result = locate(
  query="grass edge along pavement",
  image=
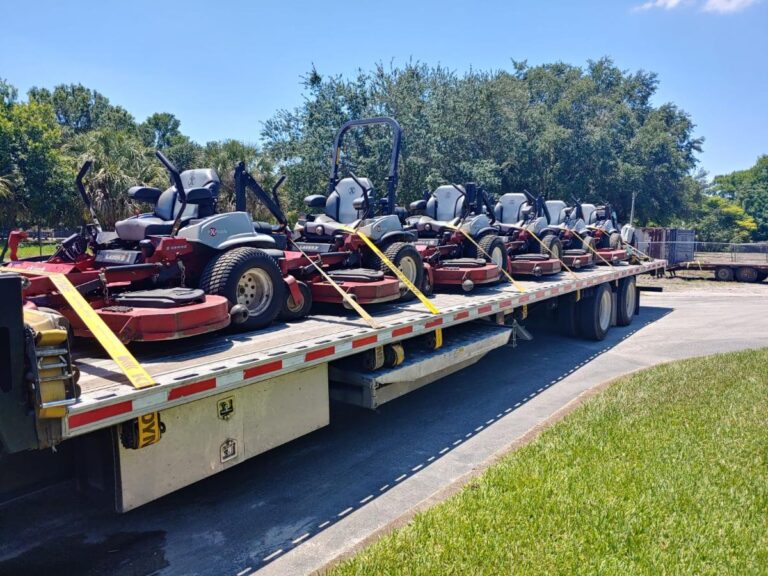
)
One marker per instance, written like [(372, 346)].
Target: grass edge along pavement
[(666, 471)]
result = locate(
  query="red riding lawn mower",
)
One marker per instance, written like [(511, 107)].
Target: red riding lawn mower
[(456, 239), (522, 221), (610, 241), (331, 239), (567, 223), (178, 271)]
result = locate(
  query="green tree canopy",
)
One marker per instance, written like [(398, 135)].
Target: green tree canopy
[(556, 129), (749, 189)]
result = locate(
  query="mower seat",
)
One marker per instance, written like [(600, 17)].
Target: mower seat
[(593, 214), (444, 207), (357, 275), (167, 206), (557, 211), (340, 210), (509, 211)]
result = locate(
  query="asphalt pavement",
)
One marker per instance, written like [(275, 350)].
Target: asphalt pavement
[(298, 507)]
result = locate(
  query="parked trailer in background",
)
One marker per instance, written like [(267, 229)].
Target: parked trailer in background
[(223, 399), (746, 262)]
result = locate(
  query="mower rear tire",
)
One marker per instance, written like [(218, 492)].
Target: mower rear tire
[(249, 277), (290, 310), (407, 258), (552, 247), (614, 241), (494, 247), (593, 314), (724, 274), (626, 301)]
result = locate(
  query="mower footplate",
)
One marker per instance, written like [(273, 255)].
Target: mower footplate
[(141, 324), (577, 259), (534, 265), (612, 256), (372, 292), (460, 271), (161, 298)]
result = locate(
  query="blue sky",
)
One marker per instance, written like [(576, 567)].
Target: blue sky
[(224, 67)]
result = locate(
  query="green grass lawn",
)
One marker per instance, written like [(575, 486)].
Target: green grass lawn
[(665, 472), (27, 250)]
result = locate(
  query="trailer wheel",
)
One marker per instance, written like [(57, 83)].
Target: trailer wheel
[(724, 274), (593, 314), (762, 276), (614, 241), (551, 246), (626, 301), (407, 258), (290, 310), (746, 274), (249, 277)]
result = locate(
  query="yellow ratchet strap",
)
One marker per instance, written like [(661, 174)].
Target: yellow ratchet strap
[(395, 270), (135, 372), (517, 286), (351, 302)]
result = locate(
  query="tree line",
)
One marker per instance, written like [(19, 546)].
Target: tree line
[(591, 133)]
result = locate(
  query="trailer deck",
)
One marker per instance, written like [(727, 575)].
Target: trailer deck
[(192, 369)]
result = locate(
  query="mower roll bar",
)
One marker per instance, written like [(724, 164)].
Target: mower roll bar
[(394, 157), (176, 177), (243, 180)]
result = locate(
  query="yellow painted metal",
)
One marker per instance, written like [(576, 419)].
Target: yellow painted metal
[(149, 429), (135, 372)]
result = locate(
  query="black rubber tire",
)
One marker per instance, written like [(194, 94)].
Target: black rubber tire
[(746, 274), (724, 274), (614, 241), (554, 248), (761, 276), (589, 314), (626, 300), (566, 316), (222, 274), (289, 311), (588, 241), (490, 244), (396, 253)]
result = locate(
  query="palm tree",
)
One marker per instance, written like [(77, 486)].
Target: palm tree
[(121, 160)]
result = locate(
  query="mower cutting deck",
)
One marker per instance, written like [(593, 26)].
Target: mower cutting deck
[(455, 239)]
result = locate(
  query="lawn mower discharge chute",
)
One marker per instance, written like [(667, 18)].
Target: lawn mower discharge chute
[(456, 238), (181, 270), (332, 239)]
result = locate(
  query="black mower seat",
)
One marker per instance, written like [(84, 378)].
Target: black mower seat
[(167, 206), (357, 275), (160, 298)]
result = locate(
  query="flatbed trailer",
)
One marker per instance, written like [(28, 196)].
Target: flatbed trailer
[(225, 398), (727, 269)]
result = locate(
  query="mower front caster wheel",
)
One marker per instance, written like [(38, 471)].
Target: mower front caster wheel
[(293, 311), (248, 277)]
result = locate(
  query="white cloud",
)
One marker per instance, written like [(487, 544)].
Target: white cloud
[(665, 4), (723, 6), (716, 6)]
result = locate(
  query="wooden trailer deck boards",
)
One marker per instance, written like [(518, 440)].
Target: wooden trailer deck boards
[(192, 369)]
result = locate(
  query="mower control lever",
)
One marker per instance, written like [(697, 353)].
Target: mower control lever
[(174, 172), (366, 200), (84, 195)]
